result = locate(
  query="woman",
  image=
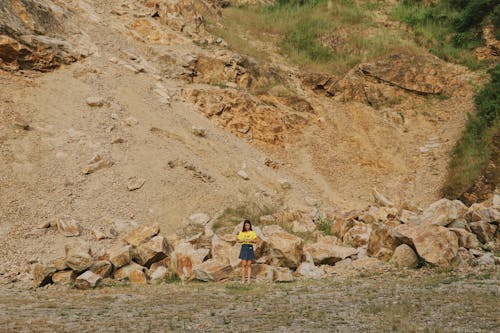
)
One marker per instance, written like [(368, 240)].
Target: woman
[(247, 237)]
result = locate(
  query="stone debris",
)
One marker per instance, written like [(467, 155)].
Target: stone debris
[(199, 131), (243, 174), (87, 280), (135, 183), (68, 227)]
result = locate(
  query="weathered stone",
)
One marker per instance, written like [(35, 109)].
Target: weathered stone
[(159, 273), (138, 276), (87, 280), (124, 272), (326, 252), (68, 227), (198, 131), (465, 239), (243, 174), (283, 245), (404, 256), (42, 274), (484, 231), (135, 183), (303, 225), (487, 259), (478, 212), (142, 234), (95, 101), (99, 235), (184, 258), (212, 270), (43, 225), (64, 277), (282, 274), (435, 244), (408, 217), (120, 255), (97, 163), (381, 199), (309, 270), (358, 235), (464, 258), (131, 121), (59, 264), (154, 250), (262, 272), (103, 268), (443, 212), (78, 256), (381, 243), (459, 224), (221, 249), (199, 219)]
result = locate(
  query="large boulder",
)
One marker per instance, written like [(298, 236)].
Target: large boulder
[(435, 244), (87, 280), (282, 274), (64, 277), (124, 272), (153, 250), (262, 272), (484, 231), (42, 274), (443, 212), (184, 258), (142, 234), (212, 270), (404, 256), (78, 256), (358, 235), (465, 239), (286, 247), (120, 255), (324, 251), (309, 270), (68, 227), (381, 243), (103, 268)]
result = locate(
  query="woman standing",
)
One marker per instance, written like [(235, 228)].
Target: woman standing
[(248, 237)]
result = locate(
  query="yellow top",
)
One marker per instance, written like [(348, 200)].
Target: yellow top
[(247, 236)]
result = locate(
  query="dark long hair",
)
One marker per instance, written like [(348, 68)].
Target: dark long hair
[(245, 222)]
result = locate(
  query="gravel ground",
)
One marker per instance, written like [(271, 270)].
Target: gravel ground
[(406, 301)]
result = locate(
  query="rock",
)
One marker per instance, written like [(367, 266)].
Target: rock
[(221, 249), (212, 270), (404, 256), (124, 272), (68, 227), (95, 101), (154, 250), (435, 244), (43, 225), (459, 224), (117, 140), (464, 258), (381, 243), (99, 235), (78, 256), (97, 163), (159, 273), (303, 226), (285, 184), (408, 217), (42, 274), (443, 212), (142, 234), (484, 231), (135, 183), (308, 270), (325, 252), (262, 272), (184, 258), (358, 235), (131, 121), (59, 264), (21, 123), (199, 131), (138, 277), (478, 212), (103, 268), (282, 274), (87, 280), (199, 219), (496, 198), (487, 259), (120, 255), (243, 174), (381, 200), (64, 277), (283, 245), (465, 239), (267, 219)]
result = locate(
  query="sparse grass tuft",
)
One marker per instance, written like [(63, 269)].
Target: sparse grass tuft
[(232, 216)]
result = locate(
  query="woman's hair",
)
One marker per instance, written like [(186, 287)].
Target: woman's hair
[(245, 222)]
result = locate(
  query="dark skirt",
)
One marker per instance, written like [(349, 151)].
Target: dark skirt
[(246, 252)]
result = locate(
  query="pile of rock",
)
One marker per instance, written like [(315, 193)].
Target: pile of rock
[(446, 234)]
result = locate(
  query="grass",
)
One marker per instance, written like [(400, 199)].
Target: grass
[(318, 35), (232, 216), (447, 28), (478, 145)]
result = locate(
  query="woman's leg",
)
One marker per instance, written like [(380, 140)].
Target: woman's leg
[(243, 270), (249, 270)]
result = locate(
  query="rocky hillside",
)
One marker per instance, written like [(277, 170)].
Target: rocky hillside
[(117, 114)]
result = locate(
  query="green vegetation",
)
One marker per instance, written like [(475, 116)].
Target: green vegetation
[(232, 216), (476, 146), (450, 29), (318, 35)]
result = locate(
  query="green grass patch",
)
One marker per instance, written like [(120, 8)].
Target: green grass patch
[(476, 147)]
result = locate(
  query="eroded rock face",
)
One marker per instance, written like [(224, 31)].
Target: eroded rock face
[(283, 245), (33, 35), (326, 252), (392, 79)]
